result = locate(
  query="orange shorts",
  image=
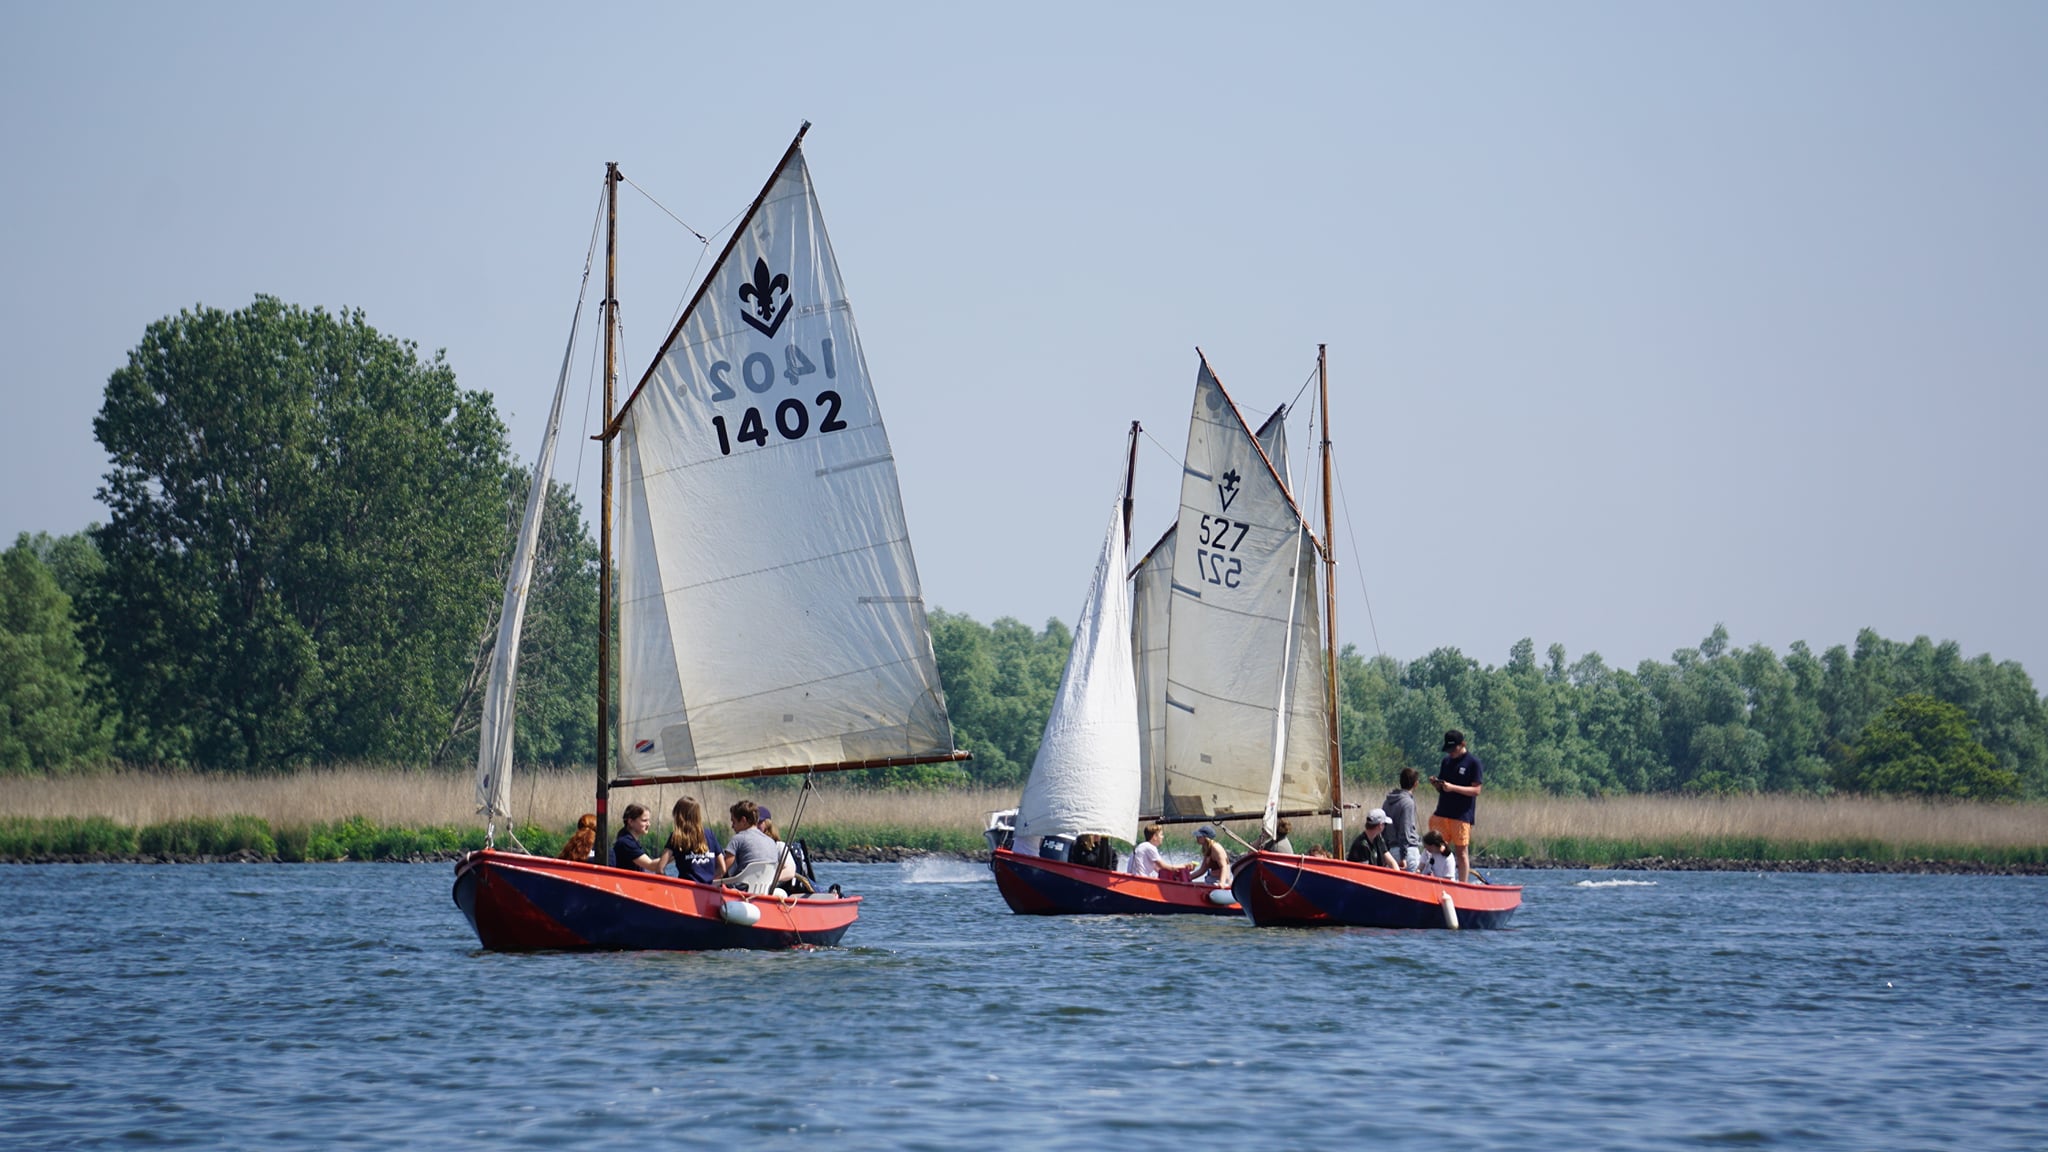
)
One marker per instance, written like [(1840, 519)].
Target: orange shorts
[(1456, 833)]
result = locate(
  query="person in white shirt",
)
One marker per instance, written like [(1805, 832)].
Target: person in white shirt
[(1145, 857), (1436, 858)]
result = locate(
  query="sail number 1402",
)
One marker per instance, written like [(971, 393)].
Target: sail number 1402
[(792, 417)]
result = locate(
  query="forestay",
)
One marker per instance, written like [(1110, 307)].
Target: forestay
[(495, 731), (1244, 710), (1085, 777), (770, 613)]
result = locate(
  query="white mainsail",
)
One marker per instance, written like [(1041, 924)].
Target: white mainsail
[(770, 615), (1085, 777), (1152, 597), (1241, 632), (495, 731)]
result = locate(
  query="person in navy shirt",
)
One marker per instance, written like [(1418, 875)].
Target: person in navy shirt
[(1457, 805), (626, 850)]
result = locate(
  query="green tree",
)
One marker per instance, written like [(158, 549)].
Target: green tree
[(1920, 746), (305, 518), (48, 719)]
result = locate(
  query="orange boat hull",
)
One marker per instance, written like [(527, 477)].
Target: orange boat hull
[(519, 903)]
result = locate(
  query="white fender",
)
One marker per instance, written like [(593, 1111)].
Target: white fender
[(1450, 909), (1221, 896), (739, 912)]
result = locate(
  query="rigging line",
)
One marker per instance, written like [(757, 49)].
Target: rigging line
[(1161, 447), (582, 440), (690, 282), (1304, 387), (701, 238), (1351, 534)]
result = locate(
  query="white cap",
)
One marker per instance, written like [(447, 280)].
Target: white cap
[(1377, 816)]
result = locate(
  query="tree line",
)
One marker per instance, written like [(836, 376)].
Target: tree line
[(309, 525)]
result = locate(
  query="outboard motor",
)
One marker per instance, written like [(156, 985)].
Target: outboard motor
[(1001, 830), (1055, 847)]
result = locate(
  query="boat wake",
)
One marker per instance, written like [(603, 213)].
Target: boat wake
[(1615, 884), (944, 872)]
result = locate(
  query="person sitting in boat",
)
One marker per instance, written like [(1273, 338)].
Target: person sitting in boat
[(789, 873), (1145, 857), (582, 845), (1092, 851), (749, 845), (1436, 856), (1215, 868), (1280, 843), (1370, 846), (626, 850), (690, 845)]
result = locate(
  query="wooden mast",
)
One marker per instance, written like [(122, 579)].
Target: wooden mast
[(1330, 610), (604, 548)]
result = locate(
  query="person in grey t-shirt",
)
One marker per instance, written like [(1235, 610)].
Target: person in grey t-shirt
[(749, 845), (1404, 839)]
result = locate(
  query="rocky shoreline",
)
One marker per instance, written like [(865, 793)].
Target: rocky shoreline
[(884, 855)]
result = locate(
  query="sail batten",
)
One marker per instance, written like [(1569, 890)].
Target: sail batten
[(771, 618)]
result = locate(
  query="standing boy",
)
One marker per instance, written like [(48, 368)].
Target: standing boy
[(1457, 805)]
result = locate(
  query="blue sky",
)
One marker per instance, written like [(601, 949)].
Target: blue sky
[(1641, 317)]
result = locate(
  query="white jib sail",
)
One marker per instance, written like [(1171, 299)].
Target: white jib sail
[(1085, 777), (770, 614), (1236, 617), (1151, 602), (495, 731)]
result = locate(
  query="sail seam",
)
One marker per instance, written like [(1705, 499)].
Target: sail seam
[(879, 545), (699, 707), (851, 465)]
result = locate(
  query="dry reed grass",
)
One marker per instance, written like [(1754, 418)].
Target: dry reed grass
[(393, 797), (400, 798)]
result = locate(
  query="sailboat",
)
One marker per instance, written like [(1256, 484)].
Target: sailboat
[(770, 619), (1084, 779), (1287, 889), (1223, 622)]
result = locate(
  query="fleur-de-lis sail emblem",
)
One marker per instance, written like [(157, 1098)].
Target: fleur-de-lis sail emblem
[(766, 317), (1228, 489)]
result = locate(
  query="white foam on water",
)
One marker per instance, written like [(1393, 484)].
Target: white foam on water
[(930, 871), (1615, 884)]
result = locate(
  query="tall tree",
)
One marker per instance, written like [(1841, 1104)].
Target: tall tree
[(47, 718), (305, 516)]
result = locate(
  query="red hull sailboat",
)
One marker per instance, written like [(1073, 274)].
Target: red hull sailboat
[(769, 618), (1316, 892)]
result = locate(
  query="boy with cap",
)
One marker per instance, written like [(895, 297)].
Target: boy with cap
[(1457, 805), (1215, 864), (1370, 846)]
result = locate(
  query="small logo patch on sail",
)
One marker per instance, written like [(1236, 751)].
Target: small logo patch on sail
[(766, 318), (1228, 489), (643, 747)]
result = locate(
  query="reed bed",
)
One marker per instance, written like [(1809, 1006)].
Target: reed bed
[(394, 797), (840, 812)]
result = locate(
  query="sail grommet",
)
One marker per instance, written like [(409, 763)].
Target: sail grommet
[(739, 912)]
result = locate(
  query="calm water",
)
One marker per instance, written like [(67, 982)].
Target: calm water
[(346, 1005)]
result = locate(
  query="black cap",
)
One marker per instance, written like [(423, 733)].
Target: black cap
[(1452, 739)]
